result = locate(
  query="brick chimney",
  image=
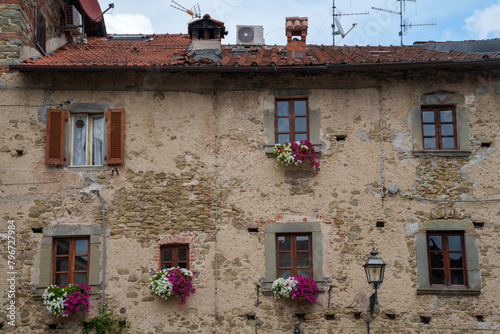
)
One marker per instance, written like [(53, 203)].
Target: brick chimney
[(296, 27)]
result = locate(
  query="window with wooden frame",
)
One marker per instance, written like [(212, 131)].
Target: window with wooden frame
[(293, 255), (86, 137), (174, 256), (70, 261), (291, 120), (446, 254), (439, 128)]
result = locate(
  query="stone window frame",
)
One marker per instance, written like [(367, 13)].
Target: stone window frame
[(271, 229), (314, 120), (424, 287), (454, 100), (51, 233)]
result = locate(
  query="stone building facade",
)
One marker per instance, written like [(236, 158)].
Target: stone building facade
[(197, 171)]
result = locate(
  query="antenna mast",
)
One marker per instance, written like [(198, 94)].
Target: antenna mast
[(195, 11), (403, 25), (334, 15)]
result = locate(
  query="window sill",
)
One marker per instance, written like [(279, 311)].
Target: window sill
[(88, 168), (448, 292), (442, 153), (323, 286)]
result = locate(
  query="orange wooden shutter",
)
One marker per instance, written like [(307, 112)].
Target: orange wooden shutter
[(116, 137), (54, 149)]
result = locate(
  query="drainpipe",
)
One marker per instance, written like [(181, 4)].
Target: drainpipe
[(216, 151), (104, 253), (379, 88)]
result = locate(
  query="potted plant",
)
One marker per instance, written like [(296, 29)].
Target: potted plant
[(173, 281), (295, 153), (66, 300), (296, 287)]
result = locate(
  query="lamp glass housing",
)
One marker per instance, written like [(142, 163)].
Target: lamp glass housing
[(374, 269)]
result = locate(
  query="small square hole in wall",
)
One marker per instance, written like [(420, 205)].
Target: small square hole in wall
[(300, 316), (390, 316), (253, 229), (330, 316), (357, 315), (479, 318), (53, 326), (425, 319), (478, 225), (20, 152), (380, 223), (250, 316), (340, 137), (37, 229), (485, 145)]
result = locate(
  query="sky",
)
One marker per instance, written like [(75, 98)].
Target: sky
[(454, 20)]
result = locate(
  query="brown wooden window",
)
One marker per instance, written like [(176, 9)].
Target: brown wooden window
[(439, 128), (87, 136), (446, 259), (292, 120), (174, 256), (293, 255), (71, 261)]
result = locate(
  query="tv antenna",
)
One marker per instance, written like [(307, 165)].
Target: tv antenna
[(195, 11), (404, 24), (336, 23)]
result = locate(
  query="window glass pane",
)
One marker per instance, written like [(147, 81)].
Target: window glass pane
[(300, 107), (167, 255), (300, 136), (62, 264), (167, 265), (446, 116), (303, 272), (284, 260), (97, 140), (61, 279), (302, 242), (283, 243), (454, 243), (81, 247), (429, 142), (283, 124), (284, 273), (80, 263), (448, 142), (283, 138), (428, 116), (437, 276), (80, 278), (182, 255), (437, 260), (435, 242), (282, 108), (79, 139), (447, 129), (300, 124), (456, 260), (182, 265), (62, 247), (429, 130), (302, 259), (457, 277)]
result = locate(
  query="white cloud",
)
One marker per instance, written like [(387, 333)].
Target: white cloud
[(128, 24), (485, 22)]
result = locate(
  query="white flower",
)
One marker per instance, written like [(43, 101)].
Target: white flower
[(282, 287)]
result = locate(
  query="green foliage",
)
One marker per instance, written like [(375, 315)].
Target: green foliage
[(107, 324)]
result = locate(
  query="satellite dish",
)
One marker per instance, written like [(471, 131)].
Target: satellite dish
[(339, 26)]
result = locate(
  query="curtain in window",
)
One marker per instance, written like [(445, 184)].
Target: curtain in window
[(97, 140), (79, 139)]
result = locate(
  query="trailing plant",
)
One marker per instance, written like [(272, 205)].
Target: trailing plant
[(173, 281), (107, 324), (66, 300), (297, 287), (295, 153)]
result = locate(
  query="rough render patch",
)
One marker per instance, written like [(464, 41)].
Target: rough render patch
[(374, 189), (476, 159), (92, 187), (411, 228), (363, 135), (470, 99), (401, 142), (290, 218)]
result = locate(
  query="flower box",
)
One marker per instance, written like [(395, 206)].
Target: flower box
[(295, 153), (66, 300), (173, 281), (296, 287)]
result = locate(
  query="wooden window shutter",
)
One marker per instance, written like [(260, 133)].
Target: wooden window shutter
[(54, 150), (116, 137)]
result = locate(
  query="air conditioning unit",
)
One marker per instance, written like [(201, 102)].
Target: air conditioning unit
[(249, 35), (73, 21)]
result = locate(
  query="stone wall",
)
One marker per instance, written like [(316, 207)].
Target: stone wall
[(195, 172)]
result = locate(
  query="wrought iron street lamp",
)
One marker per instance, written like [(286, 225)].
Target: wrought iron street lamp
[(374, 269)]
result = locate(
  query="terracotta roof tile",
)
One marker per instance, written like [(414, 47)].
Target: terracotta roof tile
[(172, 50)]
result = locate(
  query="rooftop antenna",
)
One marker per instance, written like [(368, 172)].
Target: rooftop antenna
[(336, 23), (404, 25), (195, 11)]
